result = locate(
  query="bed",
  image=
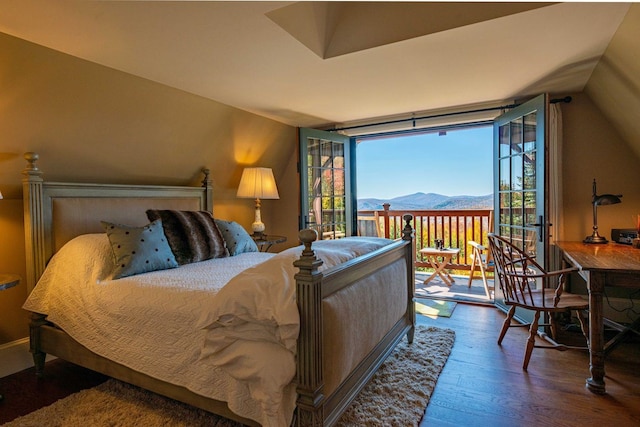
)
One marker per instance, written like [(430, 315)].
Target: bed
[(349, 311)]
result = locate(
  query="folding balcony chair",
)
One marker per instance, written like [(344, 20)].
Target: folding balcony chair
[(482, 262), (524, 283), (369, 225)]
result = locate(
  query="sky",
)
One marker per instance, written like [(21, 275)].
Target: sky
[(458, 163)]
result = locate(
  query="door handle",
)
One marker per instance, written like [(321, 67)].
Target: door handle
[(540, 224)]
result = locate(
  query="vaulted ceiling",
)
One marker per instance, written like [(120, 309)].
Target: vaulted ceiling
[(314, 63)]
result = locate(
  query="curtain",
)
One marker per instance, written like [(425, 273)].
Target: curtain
[(555, 184)]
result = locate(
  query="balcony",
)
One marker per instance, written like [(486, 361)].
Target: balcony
[(456, 228)]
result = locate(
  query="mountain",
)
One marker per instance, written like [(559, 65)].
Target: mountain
[(428, 201)]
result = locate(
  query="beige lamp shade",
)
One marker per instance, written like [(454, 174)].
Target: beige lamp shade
[(0, 194), (258, 183)]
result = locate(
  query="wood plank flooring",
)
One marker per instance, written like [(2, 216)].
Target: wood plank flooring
[(24, 392), (482, 383)]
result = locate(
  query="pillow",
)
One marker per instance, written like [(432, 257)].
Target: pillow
[(138, 249), (193, 235), (236, 237)]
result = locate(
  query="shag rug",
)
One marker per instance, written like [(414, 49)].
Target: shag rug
[(397, 395)]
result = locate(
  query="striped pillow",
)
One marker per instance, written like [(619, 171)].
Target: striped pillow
[(193, 235)]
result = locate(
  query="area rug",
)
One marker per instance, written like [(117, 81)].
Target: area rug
[(396, 396), (434, 307)]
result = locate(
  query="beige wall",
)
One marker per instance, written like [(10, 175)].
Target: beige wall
[(94, 124), (594, 149), (606, 134), (615, 82)]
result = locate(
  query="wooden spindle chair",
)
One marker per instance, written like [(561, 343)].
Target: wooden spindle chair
[(524, 283)]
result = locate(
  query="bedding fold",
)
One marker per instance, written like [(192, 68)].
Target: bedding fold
[(259, 305)]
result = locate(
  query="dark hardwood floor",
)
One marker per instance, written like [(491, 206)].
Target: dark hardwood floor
[(24, 392), (482, 383)]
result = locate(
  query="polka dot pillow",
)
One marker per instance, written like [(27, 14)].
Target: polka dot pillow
[(138, 250), (237, 239)]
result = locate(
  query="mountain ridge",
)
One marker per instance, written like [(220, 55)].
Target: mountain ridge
[(428, 201)]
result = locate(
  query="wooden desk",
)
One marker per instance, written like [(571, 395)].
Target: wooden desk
[(601, 265), (445, 255)]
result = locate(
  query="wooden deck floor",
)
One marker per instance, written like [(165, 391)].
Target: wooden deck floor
[(483, 384), (458, 291)]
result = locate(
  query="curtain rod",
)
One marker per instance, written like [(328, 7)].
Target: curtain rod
[(413, 119), (566, 99)]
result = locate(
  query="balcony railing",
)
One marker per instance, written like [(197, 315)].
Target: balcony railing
[(455, 227)]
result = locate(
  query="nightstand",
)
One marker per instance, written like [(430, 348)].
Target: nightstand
[(8, 281), (265, 241)]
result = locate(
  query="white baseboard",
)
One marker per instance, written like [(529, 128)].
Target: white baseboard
[(15, 357)]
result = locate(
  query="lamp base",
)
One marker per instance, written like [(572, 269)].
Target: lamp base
[(595, 239), (258, 225)]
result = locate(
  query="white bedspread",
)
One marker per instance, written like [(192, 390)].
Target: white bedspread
[(234, 343)]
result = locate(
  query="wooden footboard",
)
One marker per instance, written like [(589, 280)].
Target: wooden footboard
[(315, 408)]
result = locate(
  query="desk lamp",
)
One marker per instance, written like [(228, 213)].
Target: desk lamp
[(601, 200), (258, 183)]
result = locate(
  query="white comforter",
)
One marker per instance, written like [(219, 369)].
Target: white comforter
[(234, 343)]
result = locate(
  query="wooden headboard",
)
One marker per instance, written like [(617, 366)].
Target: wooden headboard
[(56, 212)]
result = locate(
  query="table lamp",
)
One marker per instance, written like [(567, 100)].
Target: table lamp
[(601, 200), (258, 183)]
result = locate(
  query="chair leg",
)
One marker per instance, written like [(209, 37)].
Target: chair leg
[(533, 331), (506, 324), (473, 267), (553, 325), (487, 291), (584, 324)]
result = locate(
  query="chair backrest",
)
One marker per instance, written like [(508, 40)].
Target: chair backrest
[(517, 273), (476, 246), (369, 225), (478, 251)]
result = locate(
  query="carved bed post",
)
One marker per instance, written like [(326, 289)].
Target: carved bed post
[(309, 359), (33, 220), (34, 247), (407, 235), (206, 184)]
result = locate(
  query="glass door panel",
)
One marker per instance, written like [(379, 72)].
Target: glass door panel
[(325, 183), (519, 141)]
